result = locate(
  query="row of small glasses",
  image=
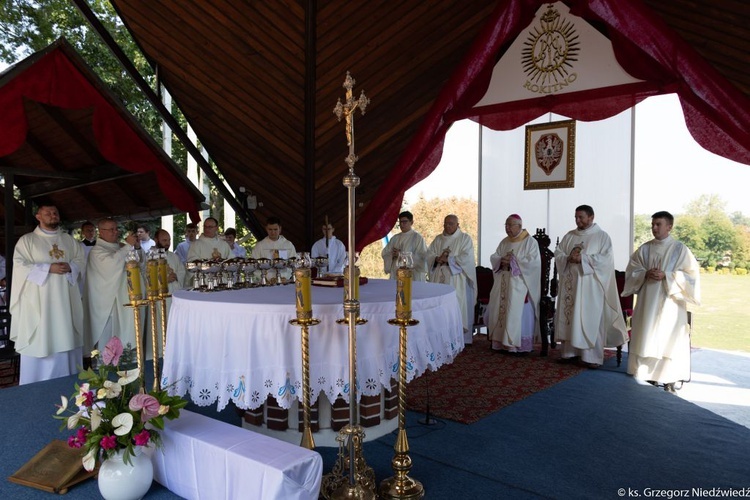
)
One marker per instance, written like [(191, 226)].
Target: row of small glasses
[(213, 275)]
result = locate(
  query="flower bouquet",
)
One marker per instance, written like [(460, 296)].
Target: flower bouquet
[(112, 413)]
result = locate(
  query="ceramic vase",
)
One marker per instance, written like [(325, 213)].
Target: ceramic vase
[(121, 481)]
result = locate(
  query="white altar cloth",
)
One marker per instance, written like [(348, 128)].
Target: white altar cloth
[(207, 458), (238, 345)]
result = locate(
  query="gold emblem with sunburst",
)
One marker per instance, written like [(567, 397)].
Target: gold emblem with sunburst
[(549, 53)]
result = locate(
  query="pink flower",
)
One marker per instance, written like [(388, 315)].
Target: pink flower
[(141, 439), (112, 352), (79, 439), (147, 404), (108, 442), (88, 398)]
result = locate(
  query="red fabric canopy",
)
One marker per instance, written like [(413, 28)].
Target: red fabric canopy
[(56, 81), (716, 113)]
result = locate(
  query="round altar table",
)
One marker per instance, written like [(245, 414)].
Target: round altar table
[(238, 345)]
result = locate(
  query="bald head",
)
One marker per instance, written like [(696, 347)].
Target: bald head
[(450, 224)]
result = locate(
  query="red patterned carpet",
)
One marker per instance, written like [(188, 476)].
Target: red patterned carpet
[(481, 381)]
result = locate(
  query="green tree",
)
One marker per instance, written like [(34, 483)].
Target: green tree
[(710, 233), (688, 229), (739, 219), (721, 238), (705, 205), (641, 229), (741, 255)]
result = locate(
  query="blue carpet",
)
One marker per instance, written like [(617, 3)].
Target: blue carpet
[(585, 437)]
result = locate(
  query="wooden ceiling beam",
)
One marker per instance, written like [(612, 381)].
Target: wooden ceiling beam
[(69, 129), (97, 175), (44, 153)]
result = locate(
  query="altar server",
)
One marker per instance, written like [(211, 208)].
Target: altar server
[(331, 247), (666, 277), (408, 240), (274, 246)]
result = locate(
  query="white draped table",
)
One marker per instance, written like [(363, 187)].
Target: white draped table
[(206, 458), (238, 345)]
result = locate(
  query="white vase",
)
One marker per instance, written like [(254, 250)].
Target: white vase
[(121, 481)]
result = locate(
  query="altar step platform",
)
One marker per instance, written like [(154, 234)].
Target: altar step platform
[(378, 416)]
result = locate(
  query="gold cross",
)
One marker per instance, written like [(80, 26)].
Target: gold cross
[(56, 253), (346, 110)]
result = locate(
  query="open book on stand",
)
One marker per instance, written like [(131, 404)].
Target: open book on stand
[(337, 281)]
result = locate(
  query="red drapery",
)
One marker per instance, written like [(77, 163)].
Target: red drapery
[(54, 80), (716, 113)]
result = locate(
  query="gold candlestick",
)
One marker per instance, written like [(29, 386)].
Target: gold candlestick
[(400, 485), (140, 355), (303, 293), (154, 341), (307, 438), (164, 324), (135, 295)]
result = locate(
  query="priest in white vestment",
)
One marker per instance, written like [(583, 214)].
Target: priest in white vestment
[(332, 248), (513, 310), (274, 246), (106, 294), (209, 246), (191, 233), (665, 276), (88, 240), (408, 240), (176, 280), (238, 251), (588, 316), (45, 301), (451, 260)]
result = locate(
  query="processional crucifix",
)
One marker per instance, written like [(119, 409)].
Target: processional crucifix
[(347, 111), (361, 478)]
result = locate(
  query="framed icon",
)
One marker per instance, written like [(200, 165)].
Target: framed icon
[(550, 155)]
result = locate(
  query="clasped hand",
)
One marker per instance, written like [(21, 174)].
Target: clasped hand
[(505, 261), (655, 274), (59, 268), (575, 257)]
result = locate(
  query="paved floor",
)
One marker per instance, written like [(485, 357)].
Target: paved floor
[(720, 383)]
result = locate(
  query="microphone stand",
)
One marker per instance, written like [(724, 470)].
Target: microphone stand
[(427, 420)]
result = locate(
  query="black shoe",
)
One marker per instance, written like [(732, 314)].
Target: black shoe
[(567, 361)]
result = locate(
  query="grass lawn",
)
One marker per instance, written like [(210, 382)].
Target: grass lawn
[(723, 319)]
